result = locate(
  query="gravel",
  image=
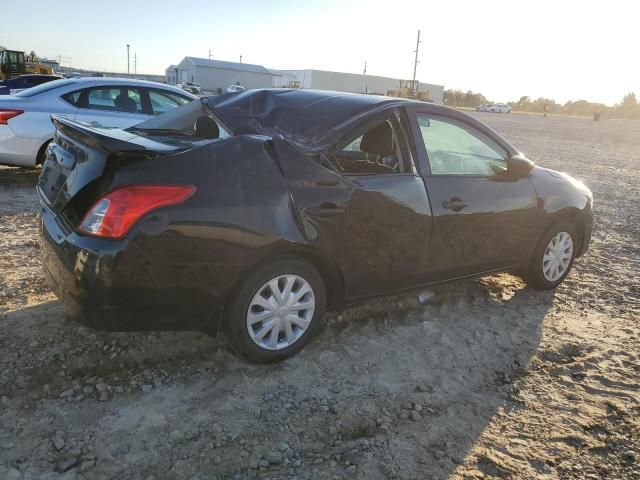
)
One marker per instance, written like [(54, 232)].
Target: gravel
[(484, 379)]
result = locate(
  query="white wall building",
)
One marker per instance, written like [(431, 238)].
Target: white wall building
[(215, 76), (348, 82)]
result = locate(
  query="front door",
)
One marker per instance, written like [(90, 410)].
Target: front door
[(483, 216)]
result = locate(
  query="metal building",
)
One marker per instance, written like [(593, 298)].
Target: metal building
[(348, 82), (216, 75)]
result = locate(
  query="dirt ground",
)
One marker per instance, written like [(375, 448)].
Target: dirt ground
[(488, 380)]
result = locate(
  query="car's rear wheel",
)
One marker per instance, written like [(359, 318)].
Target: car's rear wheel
[(553, 257), (276, 310)]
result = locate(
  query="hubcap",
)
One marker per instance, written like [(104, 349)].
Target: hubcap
[(280, 312), (557, 256)]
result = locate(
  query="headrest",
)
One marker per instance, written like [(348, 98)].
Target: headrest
[(125, 103), (379, 140), (206, 127)]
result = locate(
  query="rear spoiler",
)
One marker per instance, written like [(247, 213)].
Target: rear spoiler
[(108, 139)]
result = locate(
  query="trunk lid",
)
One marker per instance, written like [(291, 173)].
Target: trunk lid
[(78, 155)]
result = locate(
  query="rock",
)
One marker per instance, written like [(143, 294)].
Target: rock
[(629, 455), (175, 435), (67, 393), (297, 463), (262, 463), (282, 446), (421, 387), (146, 388), (86, 465), (58, 440), (438, 454), (289, 454), (104, 396), (426, 297), (67, 464), (102, 387), (217, 460), (417, 407), (415, 416), (118, 389), (403, 415), (274, 458)]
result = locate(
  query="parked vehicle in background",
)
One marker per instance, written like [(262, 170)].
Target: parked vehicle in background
[(15, 85), (254, 211), (25, 117), (236, 87), (191, 87), (14, 63), (483, 107), (500, 108)]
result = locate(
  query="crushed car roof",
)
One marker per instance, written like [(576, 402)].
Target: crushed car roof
[(311, 119)]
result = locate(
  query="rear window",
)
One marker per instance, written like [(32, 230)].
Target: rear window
[(45, 87)]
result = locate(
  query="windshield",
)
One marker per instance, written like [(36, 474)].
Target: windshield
[(45, 87)]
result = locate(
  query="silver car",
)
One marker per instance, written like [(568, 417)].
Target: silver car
[(25, 117)]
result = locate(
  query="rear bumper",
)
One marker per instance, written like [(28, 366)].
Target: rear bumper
[(111, 285), (16, 150)]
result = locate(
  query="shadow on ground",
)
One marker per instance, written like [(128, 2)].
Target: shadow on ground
[(391, 389)]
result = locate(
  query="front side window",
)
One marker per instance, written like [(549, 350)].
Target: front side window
[(117, 99), (454, 148), (162, 101)]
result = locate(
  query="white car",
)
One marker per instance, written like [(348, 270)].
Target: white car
[(500, 108), (192, 87), (483, 107), (235, 88), (25, 117)]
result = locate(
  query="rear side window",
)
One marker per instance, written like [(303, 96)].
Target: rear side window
[(72, 97), (116, 99), (163, 101)]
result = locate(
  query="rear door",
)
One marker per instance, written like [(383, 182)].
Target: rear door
[(388, 218), (482, 215), (113, 106)]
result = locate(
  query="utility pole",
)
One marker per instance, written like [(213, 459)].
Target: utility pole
[(127, 58), (240, 58), (364, 78), (414, 87), (135, 63), (209, 54)]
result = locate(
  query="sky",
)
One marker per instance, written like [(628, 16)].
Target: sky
[(560, 49)]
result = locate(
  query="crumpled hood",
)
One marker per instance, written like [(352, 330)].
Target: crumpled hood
[(312, 120)]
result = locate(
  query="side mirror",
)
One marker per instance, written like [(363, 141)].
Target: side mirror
[(520, 166)]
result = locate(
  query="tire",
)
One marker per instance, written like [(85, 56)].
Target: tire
[(258, 283), (536, 277), (41, 153)]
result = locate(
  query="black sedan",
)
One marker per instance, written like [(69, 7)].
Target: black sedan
[(251, 213)]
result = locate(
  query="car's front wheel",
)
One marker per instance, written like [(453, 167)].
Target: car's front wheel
[(276, 310), (553, 257)]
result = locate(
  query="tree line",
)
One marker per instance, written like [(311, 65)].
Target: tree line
[(628, 107)]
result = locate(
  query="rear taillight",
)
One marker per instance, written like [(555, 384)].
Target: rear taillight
[(6, 115), (114, 214)]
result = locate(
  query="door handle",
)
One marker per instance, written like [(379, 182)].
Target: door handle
[(456, 204), (325, 210)]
